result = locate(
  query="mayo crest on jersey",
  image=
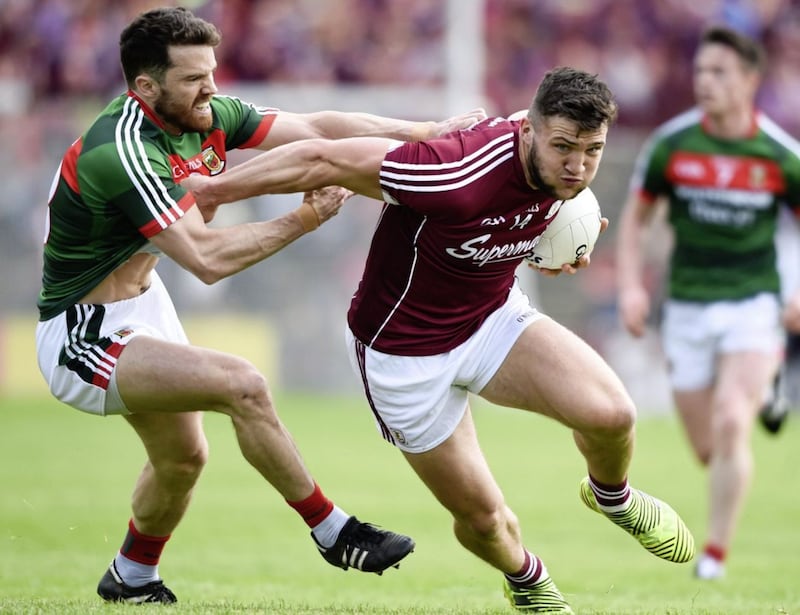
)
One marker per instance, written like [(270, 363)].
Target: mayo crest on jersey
[(459, 217), (724, 197), (117, 186)]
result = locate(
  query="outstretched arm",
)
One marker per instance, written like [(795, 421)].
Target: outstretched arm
[(298, 167), (213, 253), (289, 127)]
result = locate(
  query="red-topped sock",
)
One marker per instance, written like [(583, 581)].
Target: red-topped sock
[(715, 551), (320, 514), (137, 560), (532, 571), (314, 508), (142, 548)]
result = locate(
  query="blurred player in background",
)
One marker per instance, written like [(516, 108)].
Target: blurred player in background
[(725, 171), (438, 314), (109, 341)]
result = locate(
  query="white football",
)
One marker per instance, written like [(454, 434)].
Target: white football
[(572, 233)]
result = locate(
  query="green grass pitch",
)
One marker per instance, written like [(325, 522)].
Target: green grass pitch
[(66, 481)]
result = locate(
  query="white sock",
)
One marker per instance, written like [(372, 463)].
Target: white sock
[(133, 573), (327, 531)]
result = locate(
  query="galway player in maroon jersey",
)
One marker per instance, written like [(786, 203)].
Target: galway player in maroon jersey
[(438, 314)]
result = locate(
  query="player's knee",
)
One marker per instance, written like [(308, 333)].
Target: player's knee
[(703, 456), (614, 415), (624, 416), (729, 428), (249, 393)]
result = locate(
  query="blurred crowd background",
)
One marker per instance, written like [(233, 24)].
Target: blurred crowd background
[(409, 58), (67, 49)]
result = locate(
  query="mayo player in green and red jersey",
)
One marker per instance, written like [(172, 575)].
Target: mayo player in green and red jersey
[(108, 339), (725, 170)]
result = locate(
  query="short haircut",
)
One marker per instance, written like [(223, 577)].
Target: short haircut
[(144, 43), (749, 50), (575, 95)]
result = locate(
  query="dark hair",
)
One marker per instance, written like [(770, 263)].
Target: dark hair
[(144, 43), (749, 50), (575, 95)]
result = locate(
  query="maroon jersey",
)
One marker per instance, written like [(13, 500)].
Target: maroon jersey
[(459, 217)]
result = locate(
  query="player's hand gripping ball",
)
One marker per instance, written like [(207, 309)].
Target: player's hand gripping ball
[(572, 233)]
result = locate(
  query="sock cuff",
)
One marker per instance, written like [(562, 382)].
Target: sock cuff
[(610, 498), (315, 508), (715, 551), (142, 548), (139, 536), (532, 571)]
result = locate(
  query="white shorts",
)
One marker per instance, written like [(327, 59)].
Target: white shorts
[(695, 334), (78, 349), (419, 401)]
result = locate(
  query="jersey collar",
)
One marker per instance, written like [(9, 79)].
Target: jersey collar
[(753, 130), (147, 110)]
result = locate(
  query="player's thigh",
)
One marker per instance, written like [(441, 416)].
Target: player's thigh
[(456, 472), (742, 379), (552, 371), (154, 375), (694, 410)]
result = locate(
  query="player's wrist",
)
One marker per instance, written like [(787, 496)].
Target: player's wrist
[(309, 219), (422, 130)]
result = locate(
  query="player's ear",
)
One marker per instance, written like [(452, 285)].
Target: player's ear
[(147, 86), (526, 130)]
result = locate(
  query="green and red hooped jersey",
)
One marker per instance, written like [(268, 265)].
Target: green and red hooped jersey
[(118, 185), (724, 198)]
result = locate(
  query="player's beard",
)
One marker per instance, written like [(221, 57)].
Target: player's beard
[(179, 115), (535, 174)]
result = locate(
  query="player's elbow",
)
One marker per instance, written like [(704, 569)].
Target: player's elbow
[(212, 272), (209, 276), (318, 161), (208, 270)]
